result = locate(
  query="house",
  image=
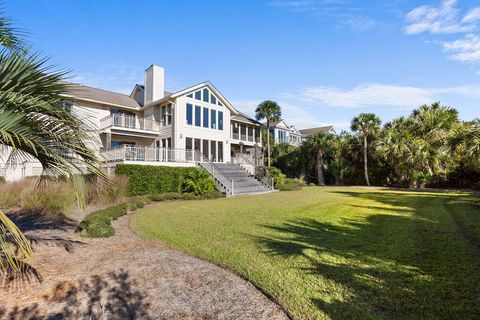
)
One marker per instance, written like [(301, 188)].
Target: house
[(281, 132), (308, 132), (195, 125)]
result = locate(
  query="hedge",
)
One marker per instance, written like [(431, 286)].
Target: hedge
[(98, 224), (143, 180)]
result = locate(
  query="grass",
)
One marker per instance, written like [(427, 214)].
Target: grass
[(338, 253)]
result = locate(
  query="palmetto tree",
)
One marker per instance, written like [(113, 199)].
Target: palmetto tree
[(271, 111), (322, 145), (36, 124), (367, 124)]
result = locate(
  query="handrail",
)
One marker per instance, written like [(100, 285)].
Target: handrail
[(225, 180), (260, 172), (131, 122)]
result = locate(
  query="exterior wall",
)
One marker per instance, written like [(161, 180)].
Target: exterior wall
[(183, 131)]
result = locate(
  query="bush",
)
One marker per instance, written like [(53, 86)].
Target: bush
[(290, 185), (56, 199), (198, 182), (311, 184), (145, 180), (215, 194), (278, 176), (98, 224), (189, 196), (101, 192)]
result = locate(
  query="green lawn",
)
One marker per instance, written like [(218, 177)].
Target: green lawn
[(338, 253)]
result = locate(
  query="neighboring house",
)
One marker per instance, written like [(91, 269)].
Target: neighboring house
[(281, 132), (308, 132), (156, 127)]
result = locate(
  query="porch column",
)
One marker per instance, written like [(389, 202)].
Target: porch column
[(109, 140)]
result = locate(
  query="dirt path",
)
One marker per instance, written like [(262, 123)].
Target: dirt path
[(125, 277)]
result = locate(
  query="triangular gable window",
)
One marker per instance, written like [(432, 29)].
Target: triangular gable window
[(205, 95), (190, 95)]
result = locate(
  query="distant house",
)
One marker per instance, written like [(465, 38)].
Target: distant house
[(281, 132), (308, 132)]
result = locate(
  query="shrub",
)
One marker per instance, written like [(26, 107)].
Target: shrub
[(198, 182), (278, 176), (145, 180), (98, 224), (213, 195), (54, 198), (189, 196), (111, 192), (290, 185), (311, 184)]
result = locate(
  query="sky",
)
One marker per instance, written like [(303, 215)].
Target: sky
[(323, 61)]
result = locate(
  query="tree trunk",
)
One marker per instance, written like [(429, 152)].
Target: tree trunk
[(365, 160), (268, 142), (320, 177)]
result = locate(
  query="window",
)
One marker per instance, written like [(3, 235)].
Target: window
[(213, 99), (205, 148), (189, 114), (198, 115), (220, 104), (188, 143), (257, 135), (220, 151), (190, 95), (198, 95), (205, 95), (205, 117), (197, 144), (220, 120), (213, 120), (213, 151)]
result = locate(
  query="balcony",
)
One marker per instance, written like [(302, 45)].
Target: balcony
[(130, 123), (148, 154)]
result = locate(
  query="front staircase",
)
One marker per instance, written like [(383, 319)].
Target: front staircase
[(243, 181), (234, 180)]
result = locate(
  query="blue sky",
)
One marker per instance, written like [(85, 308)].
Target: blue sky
[(324, 61)]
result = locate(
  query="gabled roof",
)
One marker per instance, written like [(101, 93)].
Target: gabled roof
[(86, 93), (244, 118), (310, 131)]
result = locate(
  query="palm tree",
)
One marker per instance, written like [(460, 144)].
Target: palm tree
[(367, 124), (322, 145), (35, 123), (271, 111)]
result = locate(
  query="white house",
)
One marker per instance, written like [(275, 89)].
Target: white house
[(156, 127), (281, 132)]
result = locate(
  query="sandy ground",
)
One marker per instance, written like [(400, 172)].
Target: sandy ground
[(124, 277)]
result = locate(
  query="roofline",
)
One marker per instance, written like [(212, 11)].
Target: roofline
[(247, 122), (193, 88), (100, 102)]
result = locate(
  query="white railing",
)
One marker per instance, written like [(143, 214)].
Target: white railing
[(141, 153), (220, 178), (130, 122)]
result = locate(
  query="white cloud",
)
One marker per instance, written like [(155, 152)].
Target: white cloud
[(342, 11), (382, 95), (445, 18), (466, 49)]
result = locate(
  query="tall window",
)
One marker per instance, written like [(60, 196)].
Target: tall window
[(220, 120), (220, 151), (198, 115), (205, 95), (213, 151), (189, 114), (205, 117), (198, 95), (213, 99), (213, 120)]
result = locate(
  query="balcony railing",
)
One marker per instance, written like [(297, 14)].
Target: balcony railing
[(141, 153), (130, 122)]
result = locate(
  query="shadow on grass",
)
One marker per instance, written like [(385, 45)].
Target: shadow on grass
[(406, 261), (112, 296)]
